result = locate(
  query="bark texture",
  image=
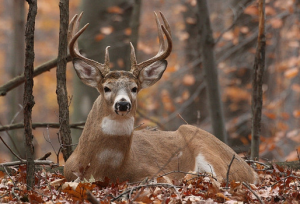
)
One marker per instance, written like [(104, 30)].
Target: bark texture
[(28, 100), (257, 93), (61, 88), (16, 68), (211, 72)]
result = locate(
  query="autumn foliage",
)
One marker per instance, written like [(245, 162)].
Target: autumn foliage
[(277, 185)]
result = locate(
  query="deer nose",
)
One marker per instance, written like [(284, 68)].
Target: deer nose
[(123, 106)]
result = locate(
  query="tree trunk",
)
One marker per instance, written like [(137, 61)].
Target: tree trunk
[(28, 101), (211, 72), (258, 69), (14, 99), (61, 89)]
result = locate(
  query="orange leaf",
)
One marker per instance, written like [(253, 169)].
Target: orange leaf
[(270, 115), (270, 11), (251, 10), (276, 22), (296, 113), (285, 115), (291, 73), (127, 31), (188, 80), (296, 87), (115, 9), (99, 37)]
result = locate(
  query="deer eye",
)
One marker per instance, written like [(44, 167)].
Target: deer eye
[(134, 90), (106, 89)]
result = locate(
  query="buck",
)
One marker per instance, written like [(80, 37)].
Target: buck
[(110, 147)]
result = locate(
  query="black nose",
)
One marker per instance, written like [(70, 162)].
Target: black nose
[(122, 106)]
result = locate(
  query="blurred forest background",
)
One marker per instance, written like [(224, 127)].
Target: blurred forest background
[(181, 89)]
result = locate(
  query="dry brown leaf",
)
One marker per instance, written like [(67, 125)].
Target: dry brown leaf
[(57, 183)]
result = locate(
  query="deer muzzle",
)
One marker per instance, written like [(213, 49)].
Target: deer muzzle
[(122, 107)]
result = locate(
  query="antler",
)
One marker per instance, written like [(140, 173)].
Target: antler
[(73, 35), (163, 52)]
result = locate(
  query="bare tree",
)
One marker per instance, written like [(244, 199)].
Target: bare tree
[(61, 88), (28, 100), (258, 70), (16, 61), (211, 73)]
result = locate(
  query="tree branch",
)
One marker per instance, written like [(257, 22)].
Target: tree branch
[(39, 125), (15, 82)]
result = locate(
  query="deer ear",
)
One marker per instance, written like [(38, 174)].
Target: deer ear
[(152, 73), (88, 74)]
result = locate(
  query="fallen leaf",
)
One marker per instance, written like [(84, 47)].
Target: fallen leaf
[(115, 9)]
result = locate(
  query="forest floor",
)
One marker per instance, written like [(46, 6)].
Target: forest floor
[(278, 185)]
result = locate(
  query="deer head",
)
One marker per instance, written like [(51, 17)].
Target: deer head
[(120, 88)]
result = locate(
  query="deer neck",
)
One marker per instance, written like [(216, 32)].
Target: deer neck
[(109, 137)]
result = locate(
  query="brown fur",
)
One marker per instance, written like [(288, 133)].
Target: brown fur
[(152, 153)]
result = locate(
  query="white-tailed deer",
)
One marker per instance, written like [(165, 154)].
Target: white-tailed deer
[(110, 146)]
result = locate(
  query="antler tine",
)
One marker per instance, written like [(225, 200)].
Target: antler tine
[(160, 34), (163, 52), (73, 35), (166, 23)]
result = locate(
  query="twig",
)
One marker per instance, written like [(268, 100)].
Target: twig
[(142, 186), (91, 198), (139, 125), (15, 82), (228, 170), (11, 140), (16, 115), (39, 125), (36, 162), (182, 118), (9, 175), (247, 186), (152, 120), (45, 156), (11, 150), (13, 192), (183, 172), (257, 162)]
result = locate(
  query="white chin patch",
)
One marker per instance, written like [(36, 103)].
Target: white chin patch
[(117, 127)]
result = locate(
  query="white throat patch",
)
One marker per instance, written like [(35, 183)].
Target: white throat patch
[(117, 127)]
